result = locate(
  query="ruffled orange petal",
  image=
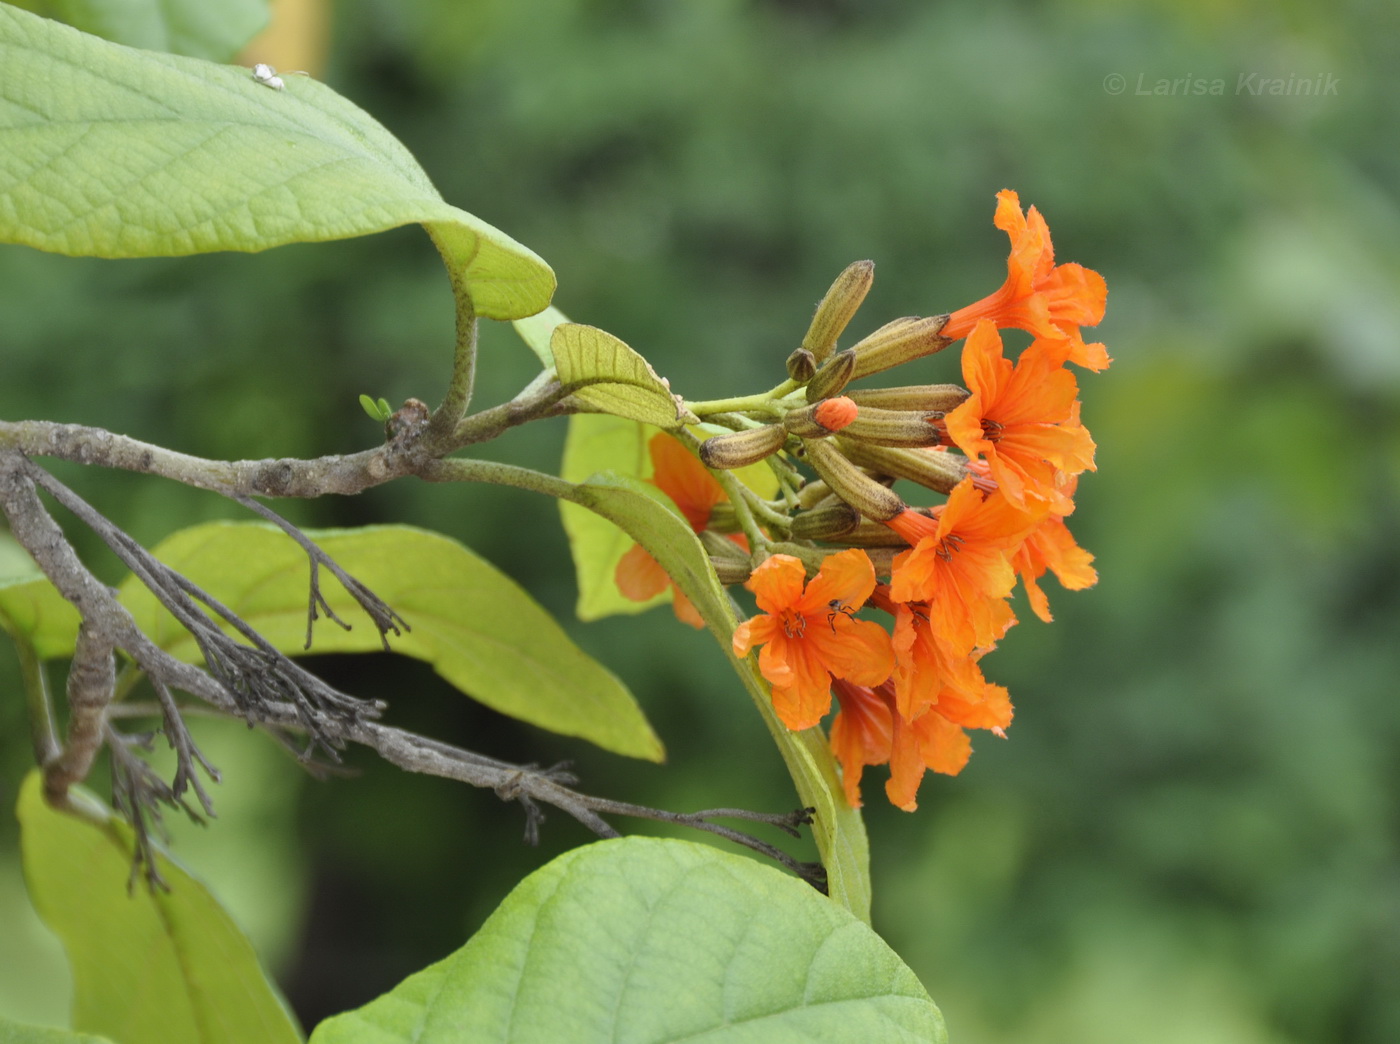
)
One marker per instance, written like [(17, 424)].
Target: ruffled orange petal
[(755, 631), (639, 576), (802, 699), (844, 582), (678, 474), (906, 766), (990, 710), (943, 746), (685, 611), (857, 650), (777, 583), (860, 735)]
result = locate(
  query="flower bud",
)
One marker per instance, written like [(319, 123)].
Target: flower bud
[(934, 398), (731, 570), (825, 523), (833, 377), (837, 307), (729, 560), (934, 469), (801, 365), (899, 342), (894, 427), (820, 419), (739, 449), (851, 484), (815, 494), (872, 534)]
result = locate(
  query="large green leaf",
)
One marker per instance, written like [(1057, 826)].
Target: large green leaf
[(148, 967), (31, 609), (476, 626), (611, 378), (214, 29), (838, 828), (114, 152), (598, 443), (643, 940), (14, 1033)]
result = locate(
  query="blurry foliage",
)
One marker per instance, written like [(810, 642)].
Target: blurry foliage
[(1192, 832)]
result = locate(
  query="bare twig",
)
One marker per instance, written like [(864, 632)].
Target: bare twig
[(92, 679), (384, 617)]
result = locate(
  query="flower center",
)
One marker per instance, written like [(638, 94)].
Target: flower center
[(794, 623), (950, 543)]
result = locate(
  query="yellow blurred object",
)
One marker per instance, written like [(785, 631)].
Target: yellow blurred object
[(297, 37)]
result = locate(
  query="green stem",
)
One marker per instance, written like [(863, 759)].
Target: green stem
[(838, 828), (36, 694), (764, 402), (764, 510), (459, 390), (465, 469)]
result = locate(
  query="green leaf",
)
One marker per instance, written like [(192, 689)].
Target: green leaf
[(34, 611), (114, 152), (611, 378), (644, 940), (536, 331), (372, 408), (838, 828), (476, 626), (214, 29), (148, 968), (602, 443), (14, 1033)]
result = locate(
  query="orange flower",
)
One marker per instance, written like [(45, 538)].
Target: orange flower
[(1021, 418), (695, 491), (861, 733), (808, 635), (927, 670), (1051, 546), (868, 730), (929, 742), (960, 565), (1049, 300)]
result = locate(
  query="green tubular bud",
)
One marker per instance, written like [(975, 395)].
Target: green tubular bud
[(934, 398), (729, 560), (801, 365), (894, 427), (851, 484), (871, 534), (882, 558), (825, 523), (837, 307), (812, 558), (731, 571), (814, 494), (739, 449), (723, 518), (833, 377), (804, 424), (899, 342), (931, 469)]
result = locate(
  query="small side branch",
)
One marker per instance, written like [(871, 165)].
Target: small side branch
[(383, 615), (92, 679)]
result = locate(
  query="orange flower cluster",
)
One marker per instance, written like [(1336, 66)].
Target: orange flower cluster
[(1006, 450)]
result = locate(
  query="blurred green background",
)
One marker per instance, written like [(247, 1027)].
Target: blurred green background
[(1192, 832)]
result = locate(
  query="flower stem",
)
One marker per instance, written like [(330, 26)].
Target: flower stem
[(763, 402), (40, 704)]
